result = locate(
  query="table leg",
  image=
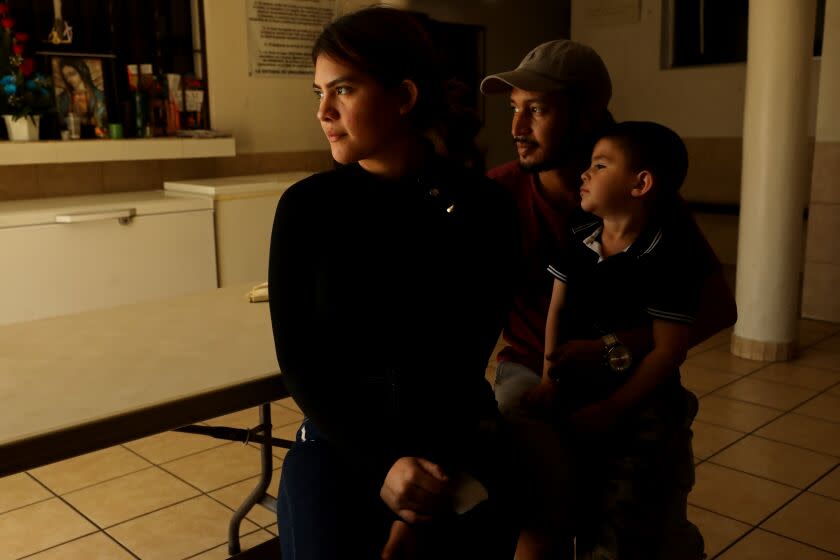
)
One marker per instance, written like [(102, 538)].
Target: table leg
[(265, 479)]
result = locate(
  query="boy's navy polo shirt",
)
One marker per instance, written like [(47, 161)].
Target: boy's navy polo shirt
[(658, 277)]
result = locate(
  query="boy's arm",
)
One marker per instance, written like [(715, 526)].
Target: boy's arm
[(716, 311), (670, 345), (553, 326)]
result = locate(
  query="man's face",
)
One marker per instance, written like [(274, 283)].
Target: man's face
[(541, 128)]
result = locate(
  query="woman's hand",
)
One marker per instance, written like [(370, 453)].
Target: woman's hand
[(402, 542), (416, 489)]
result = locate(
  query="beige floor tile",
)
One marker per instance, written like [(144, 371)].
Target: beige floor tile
[(289, 431), (89, 469), (278, 452), (233, 496), (738, 495), (250, 418), (709, 439), (218, 467), (167, 446), (761, 545), (248, 541), (766, 393), (737, 415), (288, 402), (811, 519), (20, 490), (777, 461), (702, 380), (283, 416), (718, 531), (97, 546), (824, 406), (130, 496), (829, 485), (830, 342), (799, 376), (178, 531), (813, 332), (804, 431), (819, 357), (720, 339), (722, 360), (272, 529), (39, 526)]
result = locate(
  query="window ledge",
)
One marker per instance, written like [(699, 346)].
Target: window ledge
[(77, 151)]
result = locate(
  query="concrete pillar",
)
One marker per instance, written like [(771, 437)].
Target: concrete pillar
[(776, 159), (820, 298)]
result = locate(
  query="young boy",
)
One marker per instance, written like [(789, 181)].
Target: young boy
[(629, 420)]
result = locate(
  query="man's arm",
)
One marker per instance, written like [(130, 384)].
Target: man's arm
[(716, 310)]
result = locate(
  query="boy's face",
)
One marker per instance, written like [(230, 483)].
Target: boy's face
[(608, 182)]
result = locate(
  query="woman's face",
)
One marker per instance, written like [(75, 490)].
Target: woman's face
[(361, 119), (71, 76)]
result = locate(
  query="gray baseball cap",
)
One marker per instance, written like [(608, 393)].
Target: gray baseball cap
[(560, 65)]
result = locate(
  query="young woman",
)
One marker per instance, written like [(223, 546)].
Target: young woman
[(389, 278)]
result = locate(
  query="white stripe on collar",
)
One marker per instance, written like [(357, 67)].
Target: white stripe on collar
[(656, 239)]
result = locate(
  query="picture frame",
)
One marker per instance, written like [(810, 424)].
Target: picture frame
[(81, 86)]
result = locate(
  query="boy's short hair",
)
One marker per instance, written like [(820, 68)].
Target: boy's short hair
[(656, 148)]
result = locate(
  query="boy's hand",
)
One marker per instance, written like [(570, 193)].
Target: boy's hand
[(402, 542), (416, 489), (541, 397), (596, 418), (577, 355)]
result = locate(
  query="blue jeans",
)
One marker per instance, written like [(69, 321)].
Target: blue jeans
[(328, 509)]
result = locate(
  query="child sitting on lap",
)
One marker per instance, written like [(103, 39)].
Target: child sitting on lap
[(629, 421)]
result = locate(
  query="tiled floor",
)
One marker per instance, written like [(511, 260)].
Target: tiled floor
[(767, 442)]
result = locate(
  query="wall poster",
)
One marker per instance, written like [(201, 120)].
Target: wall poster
[(281, 34)]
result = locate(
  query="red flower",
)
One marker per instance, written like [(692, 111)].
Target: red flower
[(7, 22), (3, 9), (20, 36), (18, 48), (26, 67)]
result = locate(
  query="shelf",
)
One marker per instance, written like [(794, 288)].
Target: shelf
[(76, 151)]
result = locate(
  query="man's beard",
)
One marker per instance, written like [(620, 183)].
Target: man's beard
[(565, 153)]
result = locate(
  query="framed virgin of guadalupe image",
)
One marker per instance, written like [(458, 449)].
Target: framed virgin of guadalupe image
[(79, 85)]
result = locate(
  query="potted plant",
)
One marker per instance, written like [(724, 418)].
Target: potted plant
[(24, 95)]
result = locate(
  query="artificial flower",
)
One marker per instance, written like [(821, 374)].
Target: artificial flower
[(22, 92)]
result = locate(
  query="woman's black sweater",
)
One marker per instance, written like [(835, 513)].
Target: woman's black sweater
[(387, 298)]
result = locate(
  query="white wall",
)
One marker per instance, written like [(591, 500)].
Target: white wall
[(699, 102), (265, 114), (268, 114)]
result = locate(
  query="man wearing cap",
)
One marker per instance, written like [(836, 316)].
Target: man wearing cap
[(559, 96)]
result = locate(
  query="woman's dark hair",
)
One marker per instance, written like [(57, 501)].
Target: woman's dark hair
[(391, 46), (79, 66), (656, 148)]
